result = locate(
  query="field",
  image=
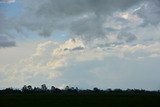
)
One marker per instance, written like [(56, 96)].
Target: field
[(80, 100)]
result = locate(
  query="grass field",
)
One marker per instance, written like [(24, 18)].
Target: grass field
[(80, 100)]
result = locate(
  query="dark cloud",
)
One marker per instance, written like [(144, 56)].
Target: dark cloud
[(83, 18), (77, 48), (126, 36), (88, 28), (5, 42), (74, 49)]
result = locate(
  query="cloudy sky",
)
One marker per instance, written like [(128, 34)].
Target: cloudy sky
[(80, 43)]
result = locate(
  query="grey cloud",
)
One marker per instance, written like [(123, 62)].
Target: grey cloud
[(77, 48), (150, 12), (88, 28), (5, 42), (110, 30), (79, 17), (65, 8), (109, 45), (122, 37), (5, 35), (74, 49), (4, 23), (126, 36)]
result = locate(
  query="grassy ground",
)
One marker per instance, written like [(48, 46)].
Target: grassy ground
[(80, 100)]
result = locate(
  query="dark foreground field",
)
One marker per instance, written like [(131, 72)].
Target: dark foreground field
[(80, 100)]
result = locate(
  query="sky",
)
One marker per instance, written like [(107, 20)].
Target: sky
[(80, 43)]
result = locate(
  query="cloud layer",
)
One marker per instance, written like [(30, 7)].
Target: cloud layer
[(68, 64), (87, 19), (81, 18)]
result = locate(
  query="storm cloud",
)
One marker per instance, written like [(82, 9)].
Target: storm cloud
[(84, 18)]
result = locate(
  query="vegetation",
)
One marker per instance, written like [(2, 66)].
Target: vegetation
[(73, 97)]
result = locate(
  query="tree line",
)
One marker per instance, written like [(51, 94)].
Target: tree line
[(43, 89)]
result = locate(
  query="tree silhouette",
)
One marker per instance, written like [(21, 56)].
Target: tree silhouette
[(67, 88), (29, 87), (43, 87), (24, 88), (53, 88), (96, 89)]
